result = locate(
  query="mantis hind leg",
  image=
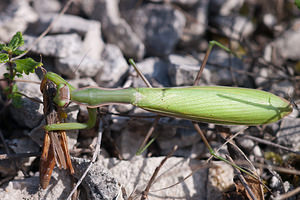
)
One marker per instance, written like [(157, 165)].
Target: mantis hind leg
[(72, 126)]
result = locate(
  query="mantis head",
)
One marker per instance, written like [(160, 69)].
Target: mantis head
[(62, 97)]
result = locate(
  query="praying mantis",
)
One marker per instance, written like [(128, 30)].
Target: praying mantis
[(211, 104)]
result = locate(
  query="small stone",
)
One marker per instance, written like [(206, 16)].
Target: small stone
[(226, 7), (235, 27), (289, 135), (166, 25), (16, 17), (90, 30), (114, 69), (183, 70), (78, 65), (221, 178), (61, 46), (155, 70), (23, 145), (116, 30), (46, 6), (30, 113), (28, 188), (127, 172), (99, 182), (195, 27)]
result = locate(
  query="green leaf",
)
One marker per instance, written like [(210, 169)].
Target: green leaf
[(19, 75), (1, 46), (6, 75), (27, 65), (18, 52), (4, 57), (6, 48), (16, 41), (297, 2)]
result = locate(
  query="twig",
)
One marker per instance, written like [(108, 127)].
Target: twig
[(270, 143), (146, 191), (96, 153), (140, 73), (228, 140), (288, 194), (275, 168)]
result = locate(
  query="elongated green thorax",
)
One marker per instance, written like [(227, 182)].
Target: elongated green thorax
[(95, 96), (220, 105)]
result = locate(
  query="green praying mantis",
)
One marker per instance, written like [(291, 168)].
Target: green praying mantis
[(211, 104)]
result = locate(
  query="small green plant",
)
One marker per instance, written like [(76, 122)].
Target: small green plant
[(16, 67)]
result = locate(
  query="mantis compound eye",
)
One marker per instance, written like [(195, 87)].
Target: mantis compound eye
[(62, 97)]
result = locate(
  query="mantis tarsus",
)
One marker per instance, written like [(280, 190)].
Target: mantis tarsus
[(211, 104)]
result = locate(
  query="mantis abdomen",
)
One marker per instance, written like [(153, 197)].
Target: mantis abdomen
[(220, 105)]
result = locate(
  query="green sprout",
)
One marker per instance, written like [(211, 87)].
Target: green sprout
[(15, 68)]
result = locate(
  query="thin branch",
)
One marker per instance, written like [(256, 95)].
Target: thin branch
[(259, 140), (288, 194), (146, 191)]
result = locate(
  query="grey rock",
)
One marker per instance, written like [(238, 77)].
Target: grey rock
[(114, 69), (220, 178), (23, 145), (78, 65), (16, 18), (289, 134), (246, 143), (83, 82), (116, 30), (288, 44), (182, 134), (155, 70), (46, 6), (99, 182), (61, 46), (183, 70), (166, 25), (226, 7), (90, 30), (130, 141), (275, 182), (270, 20), (273, 80), (127, 5), (28, 188), (219, 66), (136, 173), (196, 26), (30, 113), (235, 27)]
